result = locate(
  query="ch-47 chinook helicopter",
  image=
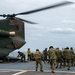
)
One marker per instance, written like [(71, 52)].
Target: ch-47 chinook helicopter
[(12, 34)]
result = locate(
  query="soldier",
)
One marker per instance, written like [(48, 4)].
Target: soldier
[(64, 57), (38, 58), (22, 55), (45, 55), (52, 57), (74, 59), (68, 57), (59, 57), (32, 57), (29, 54), (72, 56)]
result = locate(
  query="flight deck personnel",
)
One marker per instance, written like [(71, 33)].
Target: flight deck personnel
[(52, 57), (59, 57), (64, 57), (72, 56), (29, 54), (38, 58), (45, 55), (22, 55), (68, 57)]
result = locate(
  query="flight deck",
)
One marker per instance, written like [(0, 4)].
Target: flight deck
[(28, 68)]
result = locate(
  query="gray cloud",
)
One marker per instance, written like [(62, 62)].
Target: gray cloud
[(63, 31), (69, 21)]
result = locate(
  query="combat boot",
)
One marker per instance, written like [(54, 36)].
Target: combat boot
[(56, 66), (41, 70), (36, 69), (68, 69), (53, 72)]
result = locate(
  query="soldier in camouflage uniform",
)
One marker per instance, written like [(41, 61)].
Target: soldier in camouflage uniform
[(45, 55), (68, 57), (38, 58), (52, 57), (59, 57), (74, 59), (72, 56), (22, 55), (32, 57), (64, 57)]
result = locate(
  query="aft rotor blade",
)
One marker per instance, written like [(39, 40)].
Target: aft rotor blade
[(4, 15), (27, 21), (45, 8)]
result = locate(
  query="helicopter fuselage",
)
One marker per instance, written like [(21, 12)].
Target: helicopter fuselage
[(12, 35)]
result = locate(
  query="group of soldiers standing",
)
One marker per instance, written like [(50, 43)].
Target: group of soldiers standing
[(54, 56)]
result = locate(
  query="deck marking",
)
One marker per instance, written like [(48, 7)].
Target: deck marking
[(23, 71), (57, 71), (18, 73)]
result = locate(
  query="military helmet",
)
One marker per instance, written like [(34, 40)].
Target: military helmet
[(37, 49), (67, 47), (45, 48), (50, 47), (28, 48), (71, 48), (57, 48)]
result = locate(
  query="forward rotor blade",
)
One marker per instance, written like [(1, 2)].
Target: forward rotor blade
[(1, 15), (27, 21), (45, 8)]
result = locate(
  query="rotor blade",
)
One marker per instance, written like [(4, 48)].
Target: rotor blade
[(1, 15), (45, 8), (27, 21)]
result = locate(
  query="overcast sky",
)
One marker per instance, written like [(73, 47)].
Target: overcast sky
[(56, 27)]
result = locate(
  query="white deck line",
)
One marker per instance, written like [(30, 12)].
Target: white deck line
[(18, 73)]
